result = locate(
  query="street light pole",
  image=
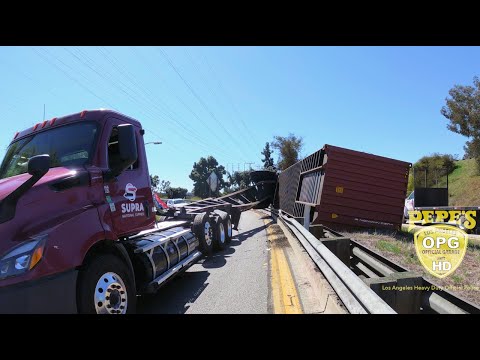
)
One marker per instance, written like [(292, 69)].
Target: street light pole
[(154, 142)]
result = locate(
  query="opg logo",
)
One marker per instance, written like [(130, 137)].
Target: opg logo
[(130, 192), (441, 248)]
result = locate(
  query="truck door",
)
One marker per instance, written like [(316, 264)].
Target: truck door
[(129, 195)]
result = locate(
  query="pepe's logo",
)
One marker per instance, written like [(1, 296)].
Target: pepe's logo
[(441, 248), (463, 219), (130, 192)]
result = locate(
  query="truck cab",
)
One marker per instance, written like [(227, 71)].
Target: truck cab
[(77, 219), (69, 187)]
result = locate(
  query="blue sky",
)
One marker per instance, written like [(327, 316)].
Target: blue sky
[(228, 101)]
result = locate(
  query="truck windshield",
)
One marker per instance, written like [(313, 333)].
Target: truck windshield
[(68, 146)]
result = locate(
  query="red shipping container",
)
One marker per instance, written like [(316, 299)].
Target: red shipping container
[(346, 188)]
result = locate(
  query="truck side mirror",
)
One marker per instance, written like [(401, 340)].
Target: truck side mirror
[(127, 148), (39, 165)]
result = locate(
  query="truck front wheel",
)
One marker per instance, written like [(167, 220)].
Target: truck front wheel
[(106, 287)]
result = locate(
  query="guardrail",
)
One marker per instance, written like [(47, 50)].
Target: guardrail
[(355, 295), (367, 282)]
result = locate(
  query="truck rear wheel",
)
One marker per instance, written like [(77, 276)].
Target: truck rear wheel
[(229, 228), (106, 287), (227, 223), (203, 230), (220, 235)]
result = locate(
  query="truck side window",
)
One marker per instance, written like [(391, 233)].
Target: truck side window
[(113, 151)]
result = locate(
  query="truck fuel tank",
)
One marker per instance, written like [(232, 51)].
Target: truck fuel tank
[(158, 252)]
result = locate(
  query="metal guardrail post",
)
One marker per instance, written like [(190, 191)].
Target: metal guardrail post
[(399, 290), (372, 262), (340, 247)]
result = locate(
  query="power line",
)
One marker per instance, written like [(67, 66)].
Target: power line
[(72, 78), (107, 76), (103, 76), (246, 133), (110, 80), (130, 97), (34, 81), (215, 96), (232, 138), (187, 107), (225, 92)]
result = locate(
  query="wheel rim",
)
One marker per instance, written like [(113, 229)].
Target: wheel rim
[(221, 229), (208, 233), (229, 228), (110, 295)]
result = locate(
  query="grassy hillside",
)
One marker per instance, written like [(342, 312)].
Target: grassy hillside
[(464, 184)]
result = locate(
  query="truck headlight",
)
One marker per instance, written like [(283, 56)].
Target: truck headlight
[(21, 259)]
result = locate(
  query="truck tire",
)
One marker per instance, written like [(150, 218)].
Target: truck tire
[(203, 230), (106, 287), (220, 234), (227, 223)]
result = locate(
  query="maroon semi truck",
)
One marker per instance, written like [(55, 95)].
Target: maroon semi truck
[(77, 219)]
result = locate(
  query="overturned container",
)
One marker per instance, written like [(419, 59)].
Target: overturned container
[(343, 188)]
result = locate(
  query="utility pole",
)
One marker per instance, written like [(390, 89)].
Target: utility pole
[(250, 165)]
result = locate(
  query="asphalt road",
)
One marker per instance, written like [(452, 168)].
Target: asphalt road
[(234, 281)]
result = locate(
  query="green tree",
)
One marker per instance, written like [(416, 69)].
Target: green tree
[(201, 171), (154, 181), (472, 149), (462, 109), (432, 168), (239, 180), (177, 192), (288, 148), (158, 185), (267, 157), (164, 185)]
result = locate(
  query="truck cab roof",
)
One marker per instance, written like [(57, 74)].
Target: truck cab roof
[(98, 115)]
